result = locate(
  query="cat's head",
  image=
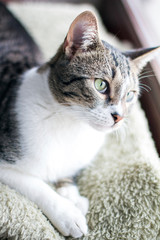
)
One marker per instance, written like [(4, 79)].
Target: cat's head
[(92, 79)]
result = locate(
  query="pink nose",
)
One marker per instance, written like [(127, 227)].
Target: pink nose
[(117, 118)]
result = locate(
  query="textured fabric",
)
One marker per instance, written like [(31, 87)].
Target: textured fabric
[(122, 184)]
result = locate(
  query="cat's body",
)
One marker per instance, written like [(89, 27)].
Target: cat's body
[(53, 118), (46, 120)]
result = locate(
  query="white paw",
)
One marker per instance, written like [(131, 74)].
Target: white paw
[(83, 204), (69, 220), (71, 192)]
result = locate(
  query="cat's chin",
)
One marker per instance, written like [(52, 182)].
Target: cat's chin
[(107, 129)]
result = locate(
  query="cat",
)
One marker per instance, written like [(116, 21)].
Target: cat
[(54, 116)]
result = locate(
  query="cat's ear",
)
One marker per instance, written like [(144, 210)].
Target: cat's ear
[(142, 56), (82, 34)]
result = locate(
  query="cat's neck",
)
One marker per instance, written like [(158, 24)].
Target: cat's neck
[(35, 98), (35, 88)]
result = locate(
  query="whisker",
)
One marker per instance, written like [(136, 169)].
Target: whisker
[(146, 72), (117, 135), (143, 88), (40, 105), (145, 85), (146, 76)]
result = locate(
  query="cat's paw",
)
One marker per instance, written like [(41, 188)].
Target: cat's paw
[(71, 192), (70, 221), (83, 204)]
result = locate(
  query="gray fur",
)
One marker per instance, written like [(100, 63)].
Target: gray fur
[(71, 80), (18, 53)]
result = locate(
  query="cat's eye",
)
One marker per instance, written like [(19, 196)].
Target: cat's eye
[(101, 85), (130, 96)]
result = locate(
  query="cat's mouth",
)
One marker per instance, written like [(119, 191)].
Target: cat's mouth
[(117, 125), (107, 128)]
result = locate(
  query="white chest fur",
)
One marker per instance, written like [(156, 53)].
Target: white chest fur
[(54, 144)]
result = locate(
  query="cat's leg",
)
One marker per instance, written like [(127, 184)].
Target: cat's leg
[(68, 189), (63, 214)]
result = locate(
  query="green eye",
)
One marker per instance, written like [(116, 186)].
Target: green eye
[(100, 85), (130, 96)]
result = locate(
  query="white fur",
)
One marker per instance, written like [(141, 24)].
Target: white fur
[(89, 35), (54, 145), (63, 214), (71, 192)]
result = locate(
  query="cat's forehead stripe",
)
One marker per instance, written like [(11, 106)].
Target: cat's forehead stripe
[(114, 59), (120, 61), (128, 66), (113, 73)]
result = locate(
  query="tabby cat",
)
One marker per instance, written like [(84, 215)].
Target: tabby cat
[(54, 116)]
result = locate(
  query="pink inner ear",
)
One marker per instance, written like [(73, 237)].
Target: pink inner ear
[(82, 33), (78, 33)]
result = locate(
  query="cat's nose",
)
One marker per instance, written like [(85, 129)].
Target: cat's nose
[(116, 117)]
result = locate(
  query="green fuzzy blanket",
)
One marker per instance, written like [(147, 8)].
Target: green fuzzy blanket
[(122, 184)]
